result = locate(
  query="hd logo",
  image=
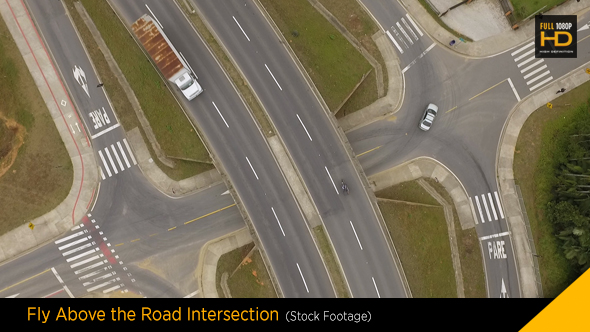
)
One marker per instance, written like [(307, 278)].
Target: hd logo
[(556, 36)]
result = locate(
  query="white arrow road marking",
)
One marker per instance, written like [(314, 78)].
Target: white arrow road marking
[(80, 77), (12, 296), (584, 27), (192, 294), (225, 192), (503, 290)]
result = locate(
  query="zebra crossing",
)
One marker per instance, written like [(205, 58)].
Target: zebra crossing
[(534, 70), (485, 203), (112, 155), (404, 34), (91, 258)]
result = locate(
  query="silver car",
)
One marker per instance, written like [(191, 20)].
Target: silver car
[(428, 117)]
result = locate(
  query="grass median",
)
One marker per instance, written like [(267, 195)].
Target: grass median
[(525, 8), (36, 171), (246, 274), (168, 121), (334, 65), (417, 225), (534, 173)]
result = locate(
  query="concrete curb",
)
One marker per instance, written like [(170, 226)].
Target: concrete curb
[(505, 173), (54, 223), (490, 46), (209, 255)]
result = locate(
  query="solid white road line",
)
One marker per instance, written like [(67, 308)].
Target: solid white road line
[(277, 218), (252, 168), (499, 206), (220, 114), (483, 238), (70, 237), (102, 285), (419, 57), (514, 89), (534, 72), (526, 61), (473, 210), (111, 289), (86, 261), (192, 294), (90, 267), (374, 284), (129, 150), (62, 282), (51, 294), (531, 66), (304, 127), (74, 243), (541, 83), (414, 24), (104, 163), (523, 48), (91, 251), (332, 180), (101, 173), (394, 42), (492, 206), (117, 156), (77, 249), (409, 29), (155, 18), (538, 77), (524, 55), (479, 208), (95, 199), (93, 273), (483, 198), (106, 150), (404, 32), (105, 131), (189, 66), (302, 277), (357, 238), (241, 28), (273, 76), (123, 154)]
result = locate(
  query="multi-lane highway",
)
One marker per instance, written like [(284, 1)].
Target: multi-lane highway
[(474, 99)]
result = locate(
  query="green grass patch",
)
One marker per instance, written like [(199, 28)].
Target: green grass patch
[(247, 275), (358, 22), (330, 259), (167, 119), (474, 279), (441, 23), (42, 175), (409, 191), (334, 65), (525, 8), (422, 243), (239, 81), (537, 153)]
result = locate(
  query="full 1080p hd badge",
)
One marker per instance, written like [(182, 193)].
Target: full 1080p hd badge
[(556, 36)]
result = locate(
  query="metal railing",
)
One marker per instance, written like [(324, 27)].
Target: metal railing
[(531, 242)]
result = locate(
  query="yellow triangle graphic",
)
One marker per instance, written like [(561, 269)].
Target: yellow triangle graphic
[(568, 312)]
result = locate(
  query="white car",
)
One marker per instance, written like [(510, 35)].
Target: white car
[(428, 117)]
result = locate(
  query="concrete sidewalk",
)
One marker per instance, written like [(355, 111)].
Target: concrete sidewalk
[(86, 178)]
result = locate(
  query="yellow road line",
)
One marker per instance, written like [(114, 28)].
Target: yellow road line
[(20, 282), (135, 240), (208, 214), (451, 109), (153, 234), (369, 150), (488, 89), (120, 244), (582, 39), (171, 228)]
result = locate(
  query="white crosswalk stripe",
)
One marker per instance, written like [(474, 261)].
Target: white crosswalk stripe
[(487, 204), (116, 156), (534, 71), (407, 30)]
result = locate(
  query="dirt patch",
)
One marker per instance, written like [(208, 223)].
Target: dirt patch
[(15, 133)]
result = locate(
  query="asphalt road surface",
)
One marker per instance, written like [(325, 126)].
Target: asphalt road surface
[(474, 98)]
